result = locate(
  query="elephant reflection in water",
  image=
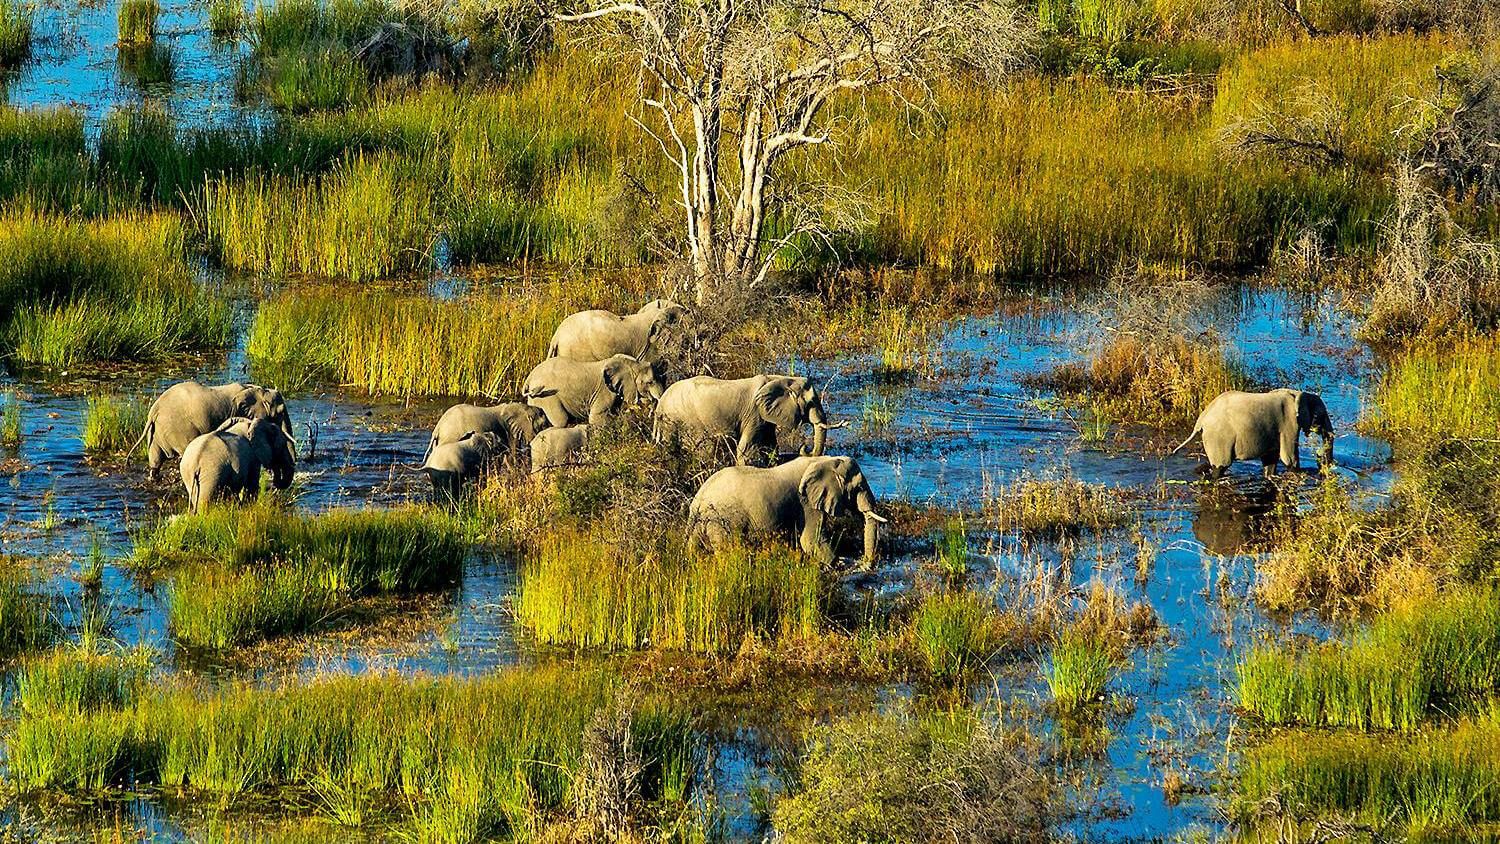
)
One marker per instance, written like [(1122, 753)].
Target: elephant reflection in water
[(1230, 522)]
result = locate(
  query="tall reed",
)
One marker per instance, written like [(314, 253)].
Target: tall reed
[(1438, 785), (75, 680), (1406, 666), (16, 18), (394, 344), (1078, 670), (367, 218), (148, 326), (579, 591), (1447, 390), (46, 258)]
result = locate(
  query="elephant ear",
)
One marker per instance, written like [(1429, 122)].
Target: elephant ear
[(822, 486), (778, 403), (1294, 409), (245, 400), (616, 370)]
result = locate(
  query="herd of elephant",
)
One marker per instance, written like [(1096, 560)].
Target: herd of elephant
[(598, 365)]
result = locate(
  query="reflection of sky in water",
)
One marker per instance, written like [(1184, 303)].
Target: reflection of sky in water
[(74, 63)]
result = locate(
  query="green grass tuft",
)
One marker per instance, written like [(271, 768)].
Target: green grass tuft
[(27, 622), (957, 632), (1438, 785), (137, 21), (74, 681), (1453, 391), (16, 17), (111, 424), (244, 574), (151, 326), (10, 420), (1079, 670), (227, 19)]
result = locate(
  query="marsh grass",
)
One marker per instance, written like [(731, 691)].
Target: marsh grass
[(137, 20), (957, 633), (405, 345), (1447, 390), (16, 18), (111, 424), (149, 67), (46, 258), (10, 420), (243, 574), (579, 591), (951, 548), (368, 217), (314, 79), (226, 19), (1053, 507), (1156, 381), (465, 759), (1408, 665), (148, 326), (76, 680), (1435, 785), (1079, 670), (27, 622)]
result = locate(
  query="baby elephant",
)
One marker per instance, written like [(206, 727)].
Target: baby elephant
[(570, 391), (228, 460), (795, 499), (745, 412), (189, 409), (1260, 426), (558, 447), (452, 465), (597, 335), (514, 423)]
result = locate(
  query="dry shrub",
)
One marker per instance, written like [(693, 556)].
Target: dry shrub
[(1053, 507), (900, 778), (1153, 380), (1435, 279), (606, 789)]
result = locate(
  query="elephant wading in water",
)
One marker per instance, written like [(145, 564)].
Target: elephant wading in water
[(597, 335), (228, 460), (189, 410), (747, 412), (452, 465), (570, 391), (794, 500), (558, 447), (514, 423), (1261, 426)]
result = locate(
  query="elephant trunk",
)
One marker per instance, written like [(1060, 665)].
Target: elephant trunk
[(865, 501), (819, 422)]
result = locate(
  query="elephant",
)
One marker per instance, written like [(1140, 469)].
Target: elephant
[(570, 391), (745, 411), (228, 460), (188, 410), (558, 447), (597, 335), (795, 499), (515, 424), (452, 465), (1260, 426)]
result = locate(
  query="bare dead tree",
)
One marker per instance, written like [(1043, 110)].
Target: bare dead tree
[(728, 88)]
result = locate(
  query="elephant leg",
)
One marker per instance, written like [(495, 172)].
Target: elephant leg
[(155, 457), (1268, 466), (745, 446), (552, 406), (1220, 452)]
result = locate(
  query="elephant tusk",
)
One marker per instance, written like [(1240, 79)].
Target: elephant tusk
[(871, 515), (827, 427)]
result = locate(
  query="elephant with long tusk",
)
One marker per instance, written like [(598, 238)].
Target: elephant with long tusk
[(795, 500), (746, 413)]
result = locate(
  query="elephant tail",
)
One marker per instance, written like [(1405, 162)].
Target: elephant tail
[(1184, 443), (195, 493), (552, 348), (431, 444), (146, 434)]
